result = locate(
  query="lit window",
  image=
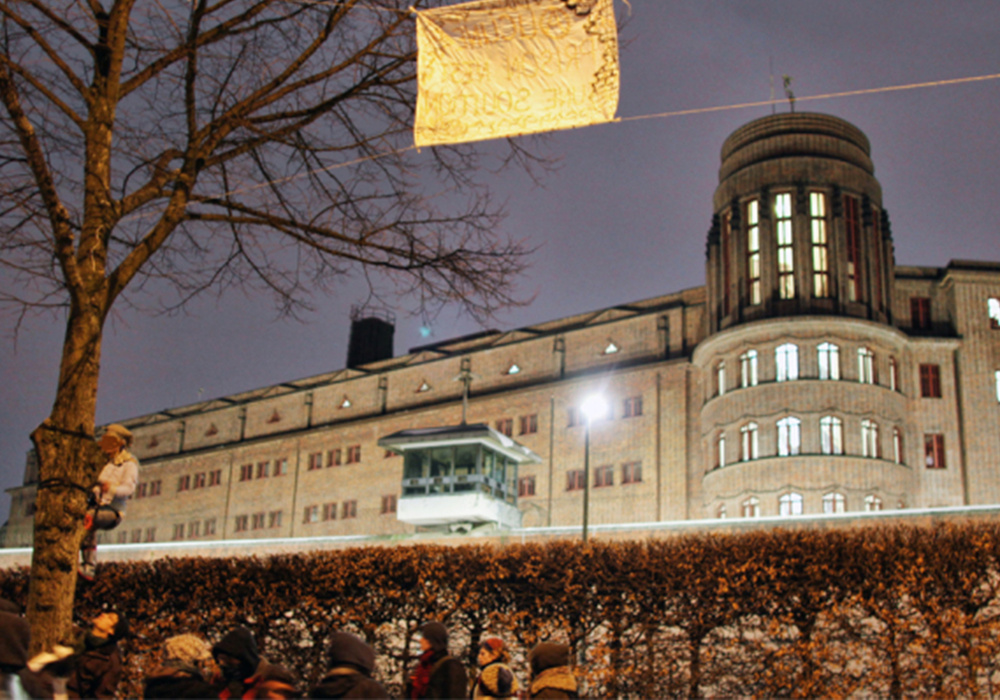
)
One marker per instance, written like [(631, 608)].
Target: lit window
[(852, 228), (834, 503), (786, 359), (897, 446), (349, 510), (934, 451), (869, 439), (753, 252), (920, 313), (750, 508), (574, 480), (720, 378), (748, 369), (930, 381), (786, 257), (789, 436), (720, 450), (993, 309), (831, 438), (513, 369), (346, 403), (525, 486), (820, 245), (828, 356), (866, 366), (611, 348), (790, 504), (604, 476), (872, 503), (748, 442), (632, 472), (424, 386)]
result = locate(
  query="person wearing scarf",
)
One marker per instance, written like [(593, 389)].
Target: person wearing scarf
[(437, 674)]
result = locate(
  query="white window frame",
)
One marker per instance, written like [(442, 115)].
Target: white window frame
[(750, 508), (720, 378), (869, 438), (834, 502), (720, 449), (784, 245), (831, 435), (897, 445), (786, 362), (748, 442), (828, 359), (790, 504), (748, 369), (866, 365), (872, 503), (789, 436)]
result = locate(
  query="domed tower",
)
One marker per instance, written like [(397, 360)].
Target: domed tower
[(802, 411)]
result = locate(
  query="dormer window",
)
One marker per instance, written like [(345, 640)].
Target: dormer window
[(424, 386), (513, 369), (611, 349), (346, 403)]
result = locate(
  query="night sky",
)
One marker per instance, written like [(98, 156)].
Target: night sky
[(625, 216)]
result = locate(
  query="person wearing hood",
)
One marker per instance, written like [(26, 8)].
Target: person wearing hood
[(437, 674), (351, 663), (551, 673), (16, 680), (245, 674), (495, 679), (115, 483), (180, 675), (98, 667)]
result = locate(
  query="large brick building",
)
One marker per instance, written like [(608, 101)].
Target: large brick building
[(809, 375)]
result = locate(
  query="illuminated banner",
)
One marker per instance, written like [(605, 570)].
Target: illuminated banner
[(493, 68)]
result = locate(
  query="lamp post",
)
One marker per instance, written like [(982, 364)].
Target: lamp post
[(593, 408)]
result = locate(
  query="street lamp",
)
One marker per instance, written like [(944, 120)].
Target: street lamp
[(594, 407)]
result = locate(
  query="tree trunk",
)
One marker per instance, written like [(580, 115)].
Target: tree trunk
[(68, 463)]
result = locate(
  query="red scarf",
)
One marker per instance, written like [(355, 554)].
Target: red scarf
[(420, 681)]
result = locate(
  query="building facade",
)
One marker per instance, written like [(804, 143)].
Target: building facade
[(809, 375)]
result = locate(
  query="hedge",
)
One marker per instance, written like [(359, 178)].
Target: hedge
[(884, 611)]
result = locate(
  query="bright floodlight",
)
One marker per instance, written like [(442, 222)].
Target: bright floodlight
[(594, 407)]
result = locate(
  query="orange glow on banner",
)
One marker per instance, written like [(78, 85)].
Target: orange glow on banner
[(494, 68)]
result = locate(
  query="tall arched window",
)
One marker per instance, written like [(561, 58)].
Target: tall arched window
[(831, 435), (834, 502), (785, 250), (897, 445), (720, 449), (869, 438), (786, 361), (750, 508), (866, 366), (720, 378), (790, 504), (828, 358), (789, 436), (753, 252), (820, 249), (748, 442), (748, 369)]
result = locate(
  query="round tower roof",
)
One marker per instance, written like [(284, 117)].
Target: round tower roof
[(795, 134)]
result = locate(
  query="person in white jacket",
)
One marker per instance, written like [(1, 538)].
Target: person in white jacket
[(116, 482)]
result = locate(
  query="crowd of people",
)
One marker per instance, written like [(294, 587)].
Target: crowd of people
[(190, 667)]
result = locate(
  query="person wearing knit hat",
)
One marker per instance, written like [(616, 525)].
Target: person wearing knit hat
[(116, 482), (182, 672), (351, 665), (551, 672), (496, 679), (437, 674)]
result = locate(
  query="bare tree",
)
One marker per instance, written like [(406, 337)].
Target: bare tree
[(202, 144)]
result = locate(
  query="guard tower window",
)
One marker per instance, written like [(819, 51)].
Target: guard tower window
[(753, 252), (920, 313), (852, 230), (820, 245), (786, 257)]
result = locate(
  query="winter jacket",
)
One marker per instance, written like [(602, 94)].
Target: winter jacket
[(352, 662), (495, 680), (96, 670), (254, 675), (551, 674), (447, 676), (121, 474), (178, 681)]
